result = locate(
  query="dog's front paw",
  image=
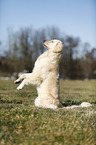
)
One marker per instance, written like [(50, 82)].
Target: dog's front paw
[(19, 87), (17, 81)]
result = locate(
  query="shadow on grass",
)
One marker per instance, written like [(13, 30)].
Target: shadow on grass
[(70, 103), (93, 102), (67, 103)]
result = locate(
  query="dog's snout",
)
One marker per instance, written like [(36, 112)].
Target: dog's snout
[(44, 41)]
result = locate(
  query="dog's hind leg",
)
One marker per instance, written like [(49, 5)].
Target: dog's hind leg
[(23, 76)]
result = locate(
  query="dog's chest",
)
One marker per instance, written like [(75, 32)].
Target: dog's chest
[(42, 62)]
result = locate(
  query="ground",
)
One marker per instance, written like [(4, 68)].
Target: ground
[(23, 123)]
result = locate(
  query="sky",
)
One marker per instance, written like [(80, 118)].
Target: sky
[(73, 17)]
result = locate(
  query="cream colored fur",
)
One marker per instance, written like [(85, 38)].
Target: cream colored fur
[(46, 77)]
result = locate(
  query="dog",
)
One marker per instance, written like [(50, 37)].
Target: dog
[(45, 76)]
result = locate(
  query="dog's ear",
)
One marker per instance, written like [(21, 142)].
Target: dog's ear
[(58, 48)]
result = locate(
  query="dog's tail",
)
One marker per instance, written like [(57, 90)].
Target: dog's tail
[(84, 104)]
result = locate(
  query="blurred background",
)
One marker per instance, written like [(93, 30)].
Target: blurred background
[(24, 24)]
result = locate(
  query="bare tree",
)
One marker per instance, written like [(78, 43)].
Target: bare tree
[(26, 45), (68, 62), (89, 64)]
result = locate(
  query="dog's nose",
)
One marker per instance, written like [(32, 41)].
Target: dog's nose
[(44, 41)]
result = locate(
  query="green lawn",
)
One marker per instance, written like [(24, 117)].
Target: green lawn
[(23, 123)]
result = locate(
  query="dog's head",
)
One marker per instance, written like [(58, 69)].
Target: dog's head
[(53, 45)]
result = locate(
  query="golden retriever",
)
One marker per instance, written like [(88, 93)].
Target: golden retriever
[(45, 76)]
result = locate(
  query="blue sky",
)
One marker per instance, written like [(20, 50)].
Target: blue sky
[(72, 17)]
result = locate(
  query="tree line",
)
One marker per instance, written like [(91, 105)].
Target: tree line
[(25, 45)]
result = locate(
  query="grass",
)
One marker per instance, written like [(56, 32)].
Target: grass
[(21, 123)]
